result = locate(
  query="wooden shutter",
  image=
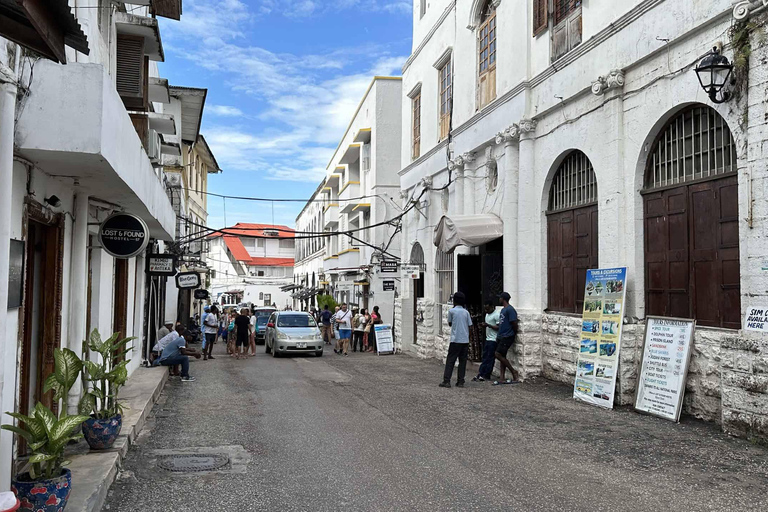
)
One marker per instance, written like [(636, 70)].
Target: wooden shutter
[(585, 244), (540, 16), (566, 34), (130, 66), (571, 251)]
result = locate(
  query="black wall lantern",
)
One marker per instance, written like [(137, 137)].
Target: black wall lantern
[(714, 71)]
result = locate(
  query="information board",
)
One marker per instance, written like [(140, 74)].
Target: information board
[(756, 319), (410, 271), (385, 342), (388, 286), (389, 266), (666, 352), (602, 320)]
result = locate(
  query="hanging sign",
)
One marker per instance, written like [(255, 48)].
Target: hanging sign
[(602, 319), (389, 266), (410, 271), (388, 286), (385, 343), (756, 319), (666, 353), (201, 294), (161, 265), (187, 280), (123, 235)]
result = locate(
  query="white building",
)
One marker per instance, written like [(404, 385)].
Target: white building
[(358, 199), (310, 253), (252, 262), (77, 143), (579, 131)]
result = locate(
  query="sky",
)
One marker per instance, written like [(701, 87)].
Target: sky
[(284, 78)]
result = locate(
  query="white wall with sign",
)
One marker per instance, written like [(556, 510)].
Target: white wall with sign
[(666, 353), (756, 319)]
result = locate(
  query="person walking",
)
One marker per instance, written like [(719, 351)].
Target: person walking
[(243, 328), (460, 321), (491, 325), (344, 322), (325, 322), (358, 324), (508, 327), (335, 327), (211, 326)]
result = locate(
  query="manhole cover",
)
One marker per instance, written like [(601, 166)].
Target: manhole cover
[(193, 462)]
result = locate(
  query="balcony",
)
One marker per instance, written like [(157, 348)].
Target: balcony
[(349, 258), (347, 196), (331, 216), (104, 151), (330, 264)]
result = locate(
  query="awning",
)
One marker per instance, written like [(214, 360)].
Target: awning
[(467, 230)]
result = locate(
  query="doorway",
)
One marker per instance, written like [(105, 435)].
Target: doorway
[(120, 314)]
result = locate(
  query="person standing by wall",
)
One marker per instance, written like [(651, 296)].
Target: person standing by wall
[(460, 321), (508, 326), (344, 322), (491, 325), (211, 326)]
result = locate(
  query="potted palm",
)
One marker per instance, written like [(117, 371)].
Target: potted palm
[(103, 381), (47, 484)]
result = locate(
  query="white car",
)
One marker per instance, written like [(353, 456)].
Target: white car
[(292, 332)]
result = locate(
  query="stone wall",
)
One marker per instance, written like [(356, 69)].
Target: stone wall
[(745, 387), (397, 326)]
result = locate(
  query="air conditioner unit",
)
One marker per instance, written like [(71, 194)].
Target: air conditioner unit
[(153, 146), (174, 179)]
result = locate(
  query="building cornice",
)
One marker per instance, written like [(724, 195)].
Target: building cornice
[(429, 35)]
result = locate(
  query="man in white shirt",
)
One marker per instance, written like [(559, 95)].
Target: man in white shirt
[(491, 325), (210, 328), (165, 330), (344, 321), (252, 334)]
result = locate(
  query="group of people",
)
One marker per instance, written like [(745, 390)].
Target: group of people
[(347, 327), (501, 329), (172, 350)]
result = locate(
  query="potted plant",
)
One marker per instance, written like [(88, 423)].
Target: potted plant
[(47, 484), (103, 381)]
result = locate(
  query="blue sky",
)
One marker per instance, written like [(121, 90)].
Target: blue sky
[(284, 78)]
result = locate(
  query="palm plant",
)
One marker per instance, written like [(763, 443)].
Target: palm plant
[(46, 434), (105, 378)]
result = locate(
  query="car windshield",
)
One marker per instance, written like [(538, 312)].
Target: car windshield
[(262, 318), (295, 321)]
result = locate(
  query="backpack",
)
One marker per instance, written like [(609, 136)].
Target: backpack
[(356, 321), (231, 326)]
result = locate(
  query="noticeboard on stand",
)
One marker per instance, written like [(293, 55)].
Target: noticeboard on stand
[(600, 338), (666, 353), (385, 341)]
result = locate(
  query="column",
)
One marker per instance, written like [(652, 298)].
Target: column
[(528, 210), (510, 167), (78, 290)]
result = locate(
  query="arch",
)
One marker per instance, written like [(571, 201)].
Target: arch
[(572, 231), (690, 219), (417, 254), (476, 12)]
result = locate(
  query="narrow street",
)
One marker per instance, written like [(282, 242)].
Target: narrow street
[(376, 433)]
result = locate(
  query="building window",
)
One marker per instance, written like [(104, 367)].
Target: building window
[(572, 230), (444, 272), (566, 30), (486, 85), (261, 295), (493, 176), (416, 128), (287, 243), (446, 98), (691, 221), (259, 242), (422, 8), (260, 273), (540, 16), (417, 258)]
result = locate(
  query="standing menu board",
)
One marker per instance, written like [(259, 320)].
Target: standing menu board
[(666, 352), (385, 343), (602, 319)]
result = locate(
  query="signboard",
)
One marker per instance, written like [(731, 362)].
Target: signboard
[(185, 280), (389, 266), (756, 319), (602, 319), (388, 286), (201, 294), (666, 353), (385, 343), (411, 271), (345, 286), (123, 235), (161, 265)]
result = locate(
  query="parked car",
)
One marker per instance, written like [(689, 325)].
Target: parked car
[(262, 318), (292, 332)]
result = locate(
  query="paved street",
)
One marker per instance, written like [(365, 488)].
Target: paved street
[(376, 433)]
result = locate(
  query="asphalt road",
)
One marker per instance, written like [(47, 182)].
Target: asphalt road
[(376, 433)]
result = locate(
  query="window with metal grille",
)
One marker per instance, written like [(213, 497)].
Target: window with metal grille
[(446, 98), (444, 273), (695, 145), (572, 231), (691, 221), (416, 102), (487, 56)]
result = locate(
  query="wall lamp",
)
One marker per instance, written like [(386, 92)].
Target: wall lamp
[(713, 71)]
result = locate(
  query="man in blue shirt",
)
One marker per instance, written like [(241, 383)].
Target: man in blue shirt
[(460, 322), (325, 318), (176, 352), (508, 327)]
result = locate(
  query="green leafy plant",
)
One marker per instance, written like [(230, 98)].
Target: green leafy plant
[(46, 434), (104, 379), (322, 300)]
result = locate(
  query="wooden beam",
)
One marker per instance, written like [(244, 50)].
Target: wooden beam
[(24, 35), (48, 27)]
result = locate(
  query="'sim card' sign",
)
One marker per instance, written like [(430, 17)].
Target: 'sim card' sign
[(756, 319)]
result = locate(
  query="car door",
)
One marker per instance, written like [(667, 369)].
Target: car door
[(271, 331)]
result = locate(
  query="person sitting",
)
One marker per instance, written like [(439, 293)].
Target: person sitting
[(177, 352), (164, 341), (165, 330)]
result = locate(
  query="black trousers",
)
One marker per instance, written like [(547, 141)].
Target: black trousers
[(357, 340), (458, 351)]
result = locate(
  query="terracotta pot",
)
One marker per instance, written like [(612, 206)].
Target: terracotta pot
[(101, 434), (42, 495)]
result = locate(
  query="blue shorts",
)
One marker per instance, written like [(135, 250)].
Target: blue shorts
[(345, 334)]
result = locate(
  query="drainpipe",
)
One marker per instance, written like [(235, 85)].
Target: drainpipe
[(7, 344), (78, 290)]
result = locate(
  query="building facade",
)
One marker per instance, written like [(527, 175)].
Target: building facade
[(578, 136), (253, 262), (310, 253)]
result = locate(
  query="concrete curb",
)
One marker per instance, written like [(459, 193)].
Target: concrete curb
[(94, 471)]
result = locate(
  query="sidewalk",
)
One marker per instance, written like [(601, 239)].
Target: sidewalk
[(93, 472)]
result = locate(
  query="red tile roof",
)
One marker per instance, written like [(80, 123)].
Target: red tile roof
[(238, 250), (248, 229)]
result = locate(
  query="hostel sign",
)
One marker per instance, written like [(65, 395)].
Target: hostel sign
[(123, 235)]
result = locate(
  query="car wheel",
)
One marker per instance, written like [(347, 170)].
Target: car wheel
[(319, 353), (274, 352), (266, 347)]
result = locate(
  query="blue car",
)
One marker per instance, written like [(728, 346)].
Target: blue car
[(262, 316)]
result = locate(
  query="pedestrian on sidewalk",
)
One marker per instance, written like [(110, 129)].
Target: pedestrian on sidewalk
[(344, 322), (460, 321), (358, 324), (325, 322), (491, 325), (375, 320), (177, 353), (243, 328), (508, 328), (211, 324)]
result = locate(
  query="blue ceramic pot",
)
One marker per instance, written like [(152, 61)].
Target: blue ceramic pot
[(42, 495), (101, 434)]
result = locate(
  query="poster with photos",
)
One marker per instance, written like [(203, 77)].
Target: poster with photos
[(602, 319)]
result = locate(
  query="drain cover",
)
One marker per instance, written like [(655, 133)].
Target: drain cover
[(193, 462)]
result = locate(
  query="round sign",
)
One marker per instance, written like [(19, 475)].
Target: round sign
[(123, 235)]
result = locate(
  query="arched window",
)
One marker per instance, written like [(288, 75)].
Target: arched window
[(444, 273), (691, 221), (261, 295), (486, 53), (571, 232), (417, 258)]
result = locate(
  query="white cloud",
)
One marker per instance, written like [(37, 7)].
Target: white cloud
[(223, 111)]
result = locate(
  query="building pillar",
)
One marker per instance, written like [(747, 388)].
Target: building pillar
[(528, 211), (78, 291), (511, 172)]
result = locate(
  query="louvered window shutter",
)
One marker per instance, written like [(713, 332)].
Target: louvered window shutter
[(130, 66), (540, 15)]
